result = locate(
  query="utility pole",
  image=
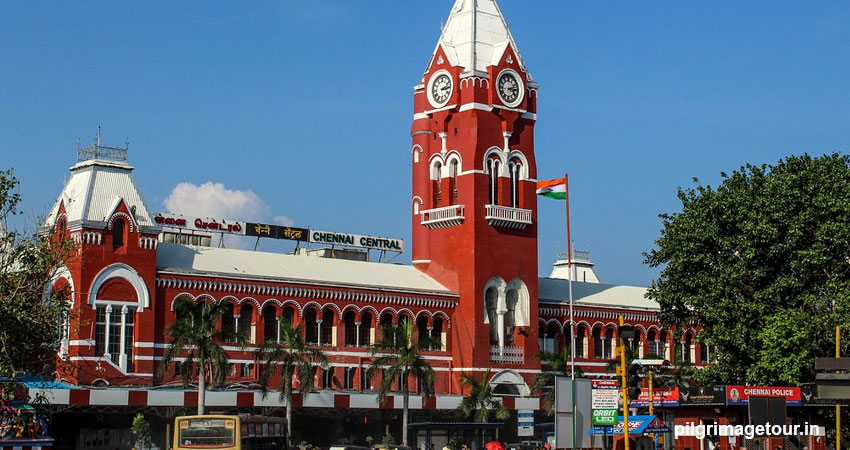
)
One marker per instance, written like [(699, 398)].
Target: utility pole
[(837, 404), (650, 405), (625, 388)]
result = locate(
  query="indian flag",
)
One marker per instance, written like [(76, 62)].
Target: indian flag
[(556, 188)]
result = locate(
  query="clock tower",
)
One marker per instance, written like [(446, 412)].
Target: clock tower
[(474, 178)]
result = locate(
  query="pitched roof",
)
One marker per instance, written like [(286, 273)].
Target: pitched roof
[(556, 290), (476, 35), (294, 268), (93, 192)]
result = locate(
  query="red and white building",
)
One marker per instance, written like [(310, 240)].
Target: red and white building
[(473, 281)]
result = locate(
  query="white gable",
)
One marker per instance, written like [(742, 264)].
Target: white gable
[(93, 192)]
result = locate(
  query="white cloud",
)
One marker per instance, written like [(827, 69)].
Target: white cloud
[(216, 201), (283, 220)]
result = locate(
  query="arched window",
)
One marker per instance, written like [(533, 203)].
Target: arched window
[(662, 345), (551, 342), (494, 165), (598, 344), (437, 333), (228, 322), (636, 344), (270, 325), (311, 326), (609, 342), (422, 327), (581, 333), (652, 339), (327, 327), (453, 181), (350, 329), (490, 300), (703, 353), (246, 318), (289, 315), (365, 329), (515, 168), (510, 316), (686, 348), (117, 233), (436, 187)]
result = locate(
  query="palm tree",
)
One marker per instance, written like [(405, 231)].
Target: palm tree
[(289, 355), (559, 366), (400, 355), (197, 332), (480, 402)]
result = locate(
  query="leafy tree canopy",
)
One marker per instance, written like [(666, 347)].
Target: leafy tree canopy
[(762, 261), (32, 317)]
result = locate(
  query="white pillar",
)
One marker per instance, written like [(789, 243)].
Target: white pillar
[(278, 328), (122, 359), (106, 332), (319, 331), (357, 338), (500, 322), (236, 323)]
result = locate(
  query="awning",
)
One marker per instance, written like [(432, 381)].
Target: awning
[(637, 425)]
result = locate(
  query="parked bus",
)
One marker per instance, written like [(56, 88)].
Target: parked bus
[(220, 432)]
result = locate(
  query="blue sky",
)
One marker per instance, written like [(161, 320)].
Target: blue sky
[(308, 104)]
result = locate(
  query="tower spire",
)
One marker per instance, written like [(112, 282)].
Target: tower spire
[(475, 36)]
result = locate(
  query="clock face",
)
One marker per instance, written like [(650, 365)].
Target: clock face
[(509, 88), (440, 89)]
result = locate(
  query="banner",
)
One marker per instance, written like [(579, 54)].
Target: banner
[(603, 401), (356, 240), (277, 231), (661, 397), (525, 422), (740, 395), (702, 396), (637, 425), (205, 224)]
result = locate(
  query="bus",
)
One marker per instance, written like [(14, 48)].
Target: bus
[(222, 432)]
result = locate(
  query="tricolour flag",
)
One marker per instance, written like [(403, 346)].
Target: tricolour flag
[(556, 188)]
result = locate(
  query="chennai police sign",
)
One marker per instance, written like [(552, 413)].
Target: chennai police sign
[(356, 240)]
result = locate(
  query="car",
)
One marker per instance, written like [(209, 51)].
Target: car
[(519, 446), (348, 447), (389, 447)]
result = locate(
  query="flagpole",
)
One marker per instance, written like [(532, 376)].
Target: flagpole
[(572, 322)]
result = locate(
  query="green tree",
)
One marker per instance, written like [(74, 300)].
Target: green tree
[(480, 402), (558, 365), (141, 430), (400, 354), (289, 356), (32, 318), (197, 333), (754, 261)]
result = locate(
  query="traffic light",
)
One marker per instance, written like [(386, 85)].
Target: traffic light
[(633, 383)]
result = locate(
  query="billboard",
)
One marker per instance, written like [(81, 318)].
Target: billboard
[(564, 414), (740, 395)]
